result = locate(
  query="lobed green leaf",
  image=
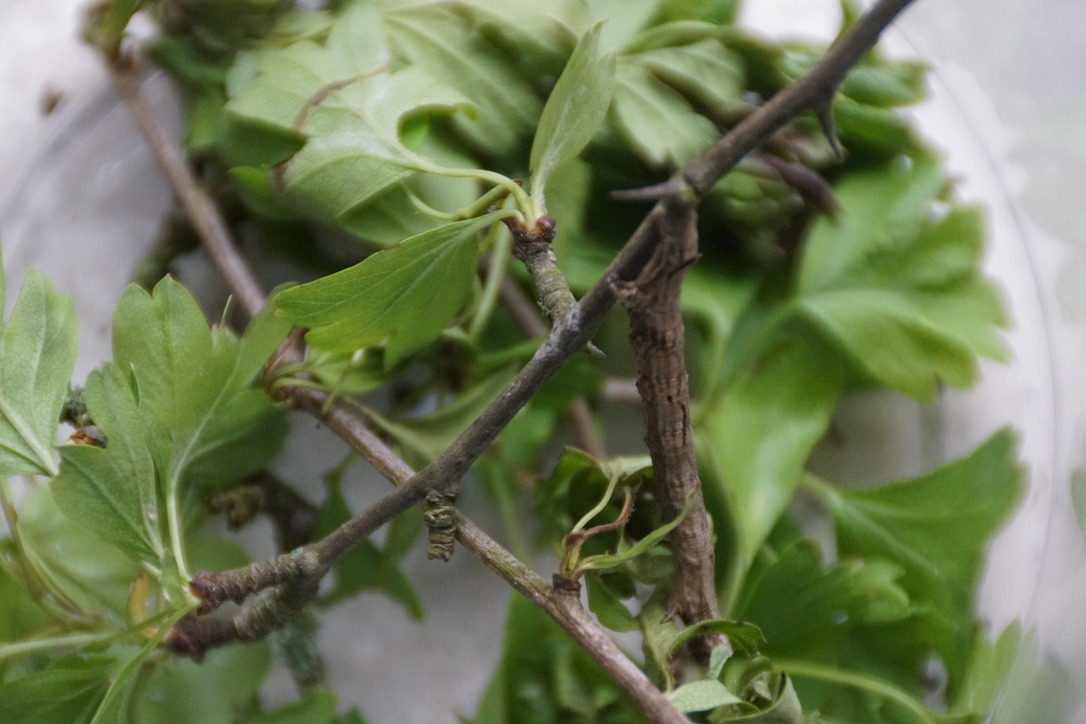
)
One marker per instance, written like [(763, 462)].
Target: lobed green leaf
[(37, 354)]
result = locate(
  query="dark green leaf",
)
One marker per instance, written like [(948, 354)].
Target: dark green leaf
[(545, 678), (607, 604), (37, 353), (368, 567), (402, 297), (706, 73), (575, 109)]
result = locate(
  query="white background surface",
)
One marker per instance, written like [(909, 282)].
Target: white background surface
[(1010, 105)]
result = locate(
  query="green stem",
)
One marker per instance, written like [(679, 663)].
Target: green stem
[(855, 680), (495, 277), (175, 523), (74, 641)]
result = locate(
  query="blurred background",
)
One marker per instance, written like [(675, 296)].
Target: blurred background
[(1007, 109)]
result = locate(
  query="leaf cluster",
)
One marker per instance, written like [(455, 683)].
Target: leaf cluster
[(406, 128)]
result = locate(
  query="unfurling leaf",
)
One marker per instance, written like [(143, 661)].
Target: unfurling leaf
[(702, 695), (37, 353), (402, 297), (575, 109)]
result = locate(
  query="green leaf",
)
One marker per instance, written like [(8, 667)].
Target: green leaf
[(227, 680), (935, 527), (68, 691), (657, 123), (72, 565), (205, 420), (344, 99), (756, 439), (575, 109), (702, 695), (706, 73), (429, 435), (442, 40), (402, 297), (37, 353), (898, 290), (111, 491), (316, 707)]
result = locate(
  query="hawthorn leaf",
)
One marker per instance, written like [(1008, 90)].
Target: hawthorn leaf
[(543, 677), (37, 354), (896, 289), (350, 107), (72, 563), (315, 707), (702, 695), (227, 679), (935, 527), (402, 297), (755, 440), (706, 73), (67, 691), (429, 435), (441, 39), (205, 420), (575, 109), (111, 491), (655, 121)]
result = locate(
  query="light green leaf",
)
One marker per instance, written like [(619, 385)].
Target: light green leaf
[(756, 439), (316, 707), (575, 109), (702, 695), (68, 691), (935, 527), (205, 420), (657, 123), (607, 604), (441, 39), (37, 353), (897, 289), (344, 99), (402, 297), (706, 73), (111, 491), (227, 679)]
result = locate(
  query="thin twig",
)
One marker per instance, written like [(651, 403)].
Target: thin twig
[(196, 201)]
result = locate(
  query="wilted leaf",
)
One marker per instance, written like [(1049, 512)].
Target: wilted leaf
[(37, 353), (402, 296)]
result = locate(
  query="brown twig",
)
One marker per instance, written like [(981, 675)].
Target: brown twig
[(657, 338)]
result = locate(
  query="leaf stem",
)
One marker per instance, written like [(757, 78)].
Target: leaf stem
[(807, 669), (495, 278)]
